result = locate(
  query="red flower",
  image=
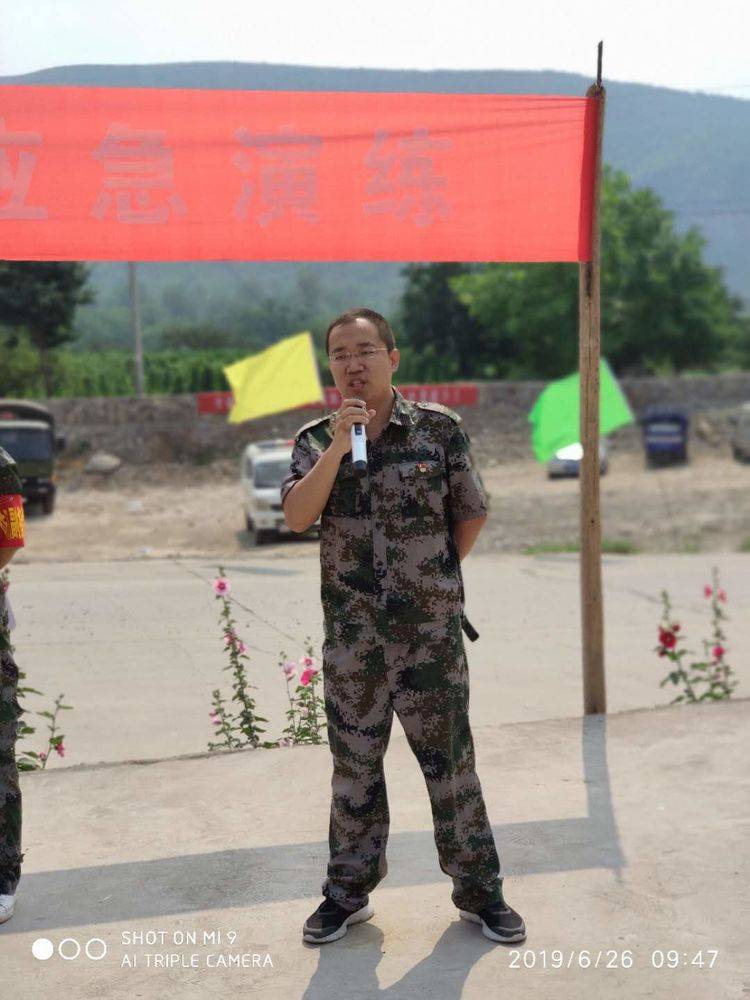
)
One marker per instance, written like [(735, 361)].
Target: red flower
[(675, 628), (718, 652), (667, 638), (707, 591)]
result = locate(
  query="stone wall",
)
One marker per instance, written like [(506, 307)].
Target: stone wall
[(169, 428)]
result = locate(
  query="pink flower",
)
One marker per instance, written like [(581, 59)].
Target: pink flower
[(707, 591), (221, 585), (213, 715), (722, 595), (241, 648), (229, 638), (306, 661), (42, 755), (60, 749), (216, 722), (304, 712), (718, 652), (290, 669), (307, 675), (285, 741)]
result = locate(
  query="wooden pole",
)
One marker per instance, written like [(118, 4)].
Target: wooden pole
[(135, 322), (589, 313)]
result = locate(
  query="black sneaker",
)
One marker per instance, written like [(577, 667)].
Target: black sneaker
[(499, 921), (331, 921)]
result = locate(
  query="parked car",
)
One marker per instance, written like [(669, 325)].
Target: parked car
[(665, 434), (263, 467), (567, 461), (27, 433), (741, 437)]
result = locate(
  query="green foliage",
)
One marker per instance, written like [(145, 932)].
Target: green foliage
[(237, 728), (242, 304), (663, 309), (20, 370), (712, 676), (40, 298), (110, 373), (29, 760), (436, 327)]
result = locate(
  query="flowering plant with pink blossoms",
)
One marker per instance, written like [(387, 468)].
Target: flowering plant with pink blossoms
[(710, 678), (306, 712), (237, 728), (30, 760)]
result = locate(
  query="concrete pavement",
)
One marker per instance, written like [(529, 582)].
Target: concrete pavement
[(136, 648), (622, 837)]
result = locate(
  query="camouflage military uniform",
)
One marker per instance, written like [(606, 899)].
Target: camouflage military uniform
[(392, 594), (11, 536)]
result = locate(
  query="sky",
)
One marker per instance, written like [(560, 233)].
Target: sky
[(687, 45)]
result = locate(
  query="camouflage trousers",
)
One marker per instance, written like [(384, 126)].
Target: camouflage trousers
[(421, 671), (10, 791)]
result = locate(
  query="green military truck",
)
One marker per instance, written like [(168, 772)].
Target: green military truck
[(27, 433)]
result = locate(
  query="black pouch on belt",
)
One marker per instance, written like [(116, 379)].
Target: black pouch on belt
[(469, 628)]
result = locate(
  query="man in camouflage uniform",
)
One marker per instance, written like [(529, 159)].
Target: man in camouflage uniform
[(392, 594), (11, 539)]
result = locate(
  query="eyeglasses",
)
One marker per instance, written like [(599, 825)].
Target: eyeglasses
[(342, 359)]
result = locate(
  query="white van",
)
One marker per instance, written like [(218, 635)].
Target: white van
[(263, 468)]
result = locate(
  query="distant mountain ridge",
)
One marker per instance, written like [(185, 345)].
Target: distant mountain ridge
[(693, 149)]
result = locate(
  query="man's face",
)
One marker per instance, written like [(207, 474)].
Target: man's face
[(361, 378)]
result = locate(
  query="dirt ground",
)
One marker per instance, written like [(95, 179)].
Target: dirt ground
[(169, 510)]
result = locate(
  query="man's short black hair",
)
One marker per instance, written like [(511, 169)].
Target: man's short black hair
[(380, 323)]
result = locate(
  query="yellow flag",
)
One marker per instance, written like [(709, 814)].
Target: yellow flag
[(279, 378)]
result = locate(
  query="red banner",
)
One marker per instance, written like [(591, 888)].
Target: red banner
[(116, 173), (448, 393)]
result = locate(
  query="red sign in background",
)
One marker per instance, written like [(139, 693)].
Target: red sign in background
[(120, 173), (447, 393)]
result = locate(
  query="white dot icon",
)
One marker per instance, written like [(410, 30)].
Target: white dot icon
[(42, 949)]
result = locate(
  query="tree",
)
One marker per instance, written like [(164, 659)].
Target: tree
[(663, 308), (41, 298), (436, 324), (194, 336)]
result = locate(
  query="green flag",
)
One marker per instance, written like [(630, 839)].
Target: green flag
[(555, 416)]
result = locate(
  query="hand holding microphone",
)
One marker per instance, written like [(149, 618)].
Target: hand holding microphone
[(349, 431)]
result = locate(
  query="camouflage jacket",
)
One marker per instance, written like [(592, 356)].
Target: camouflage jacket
[(11, 527), (10, 482), (387, 551)]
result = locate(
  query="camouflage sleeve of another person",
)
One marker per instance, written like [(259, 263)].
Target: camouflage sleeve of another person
[(304, 457), (12, 527), (467, 495)]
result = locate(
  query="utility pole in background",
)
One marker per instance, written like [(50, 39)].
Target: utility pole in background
[(135, 320)]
